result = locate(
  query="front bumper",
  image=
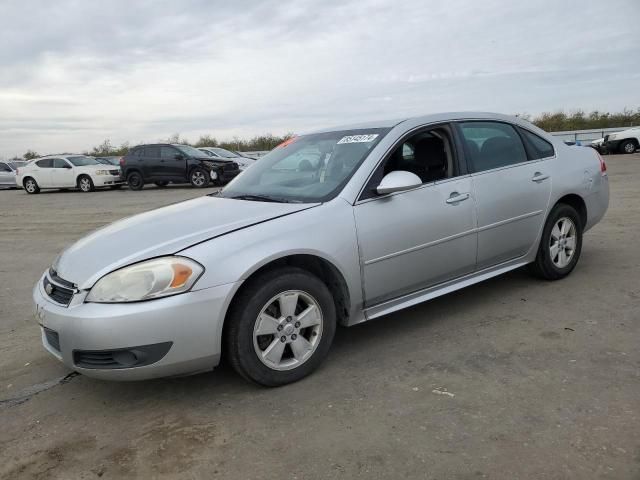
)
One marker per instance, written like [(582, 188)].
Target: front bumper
[(107, 180), (192, 322), (611, 145)]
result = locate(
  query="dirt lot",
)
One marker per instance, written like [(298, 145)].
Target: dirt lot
[(542, 380)]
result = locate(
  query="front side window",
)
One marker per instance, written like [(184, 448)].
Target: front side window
[(168, 152), (59, 163), (309, 168), (82, 161), (45, 163), (492, 145), (538, 147), (191, 151)]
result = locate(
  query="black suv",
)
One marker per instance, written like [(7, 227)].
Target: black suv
[(163, 163)]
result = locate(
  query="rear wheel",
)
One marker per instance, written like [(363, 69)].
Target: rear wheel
[(199, 177), (281, 327), (30, 185), (135, 181), (85, 184), (560, 245), (628, 146)]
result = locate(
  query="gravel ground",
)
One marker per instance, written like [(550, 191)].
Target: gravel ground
[(512, 378)]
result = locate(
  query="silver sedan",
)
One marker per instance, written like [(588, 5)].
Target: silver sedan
[(338, 226)]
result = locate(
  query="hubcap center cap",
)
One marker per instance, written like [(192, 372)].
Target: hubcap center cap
[(288, 329)]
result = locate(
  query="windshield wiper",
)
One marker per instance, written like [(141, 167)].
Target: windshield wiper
[(259, 198)]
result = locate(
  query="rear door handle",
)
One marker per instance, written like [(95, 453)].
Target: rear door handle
[(456, 197), (539, 177)]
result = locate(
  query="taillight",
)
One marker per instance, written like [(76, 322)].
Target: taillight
[(121, 161), (603, 166), (17, 171)]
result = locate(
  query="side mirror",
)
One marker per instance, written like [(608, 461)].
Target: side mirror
[(398, 181), (179, 156), (67, 167)]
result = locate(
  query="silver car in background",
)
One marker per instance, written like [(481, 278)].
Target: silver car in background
[(8, 172), (338, 226)]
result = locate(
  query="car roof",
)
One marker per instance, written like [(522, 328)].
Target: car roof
[(429, 118)]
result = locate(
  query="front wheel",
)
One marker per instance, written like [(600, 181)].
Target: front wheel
[(280, 327), (560, 245), (199, 177), (628, 146), (85, 184)]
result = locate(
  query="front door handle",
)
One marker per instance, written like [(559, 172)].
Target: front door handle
[(456, 197), (539, 177)]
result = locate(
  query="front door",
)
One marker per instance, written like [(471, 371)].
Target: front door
[(62, 174), (418, 238), (511, 189)]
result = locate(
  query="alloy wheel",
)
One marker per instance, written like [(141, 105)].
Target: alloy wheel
[(85, 184), (198, 178), (30, 186), (629, 147), (562, 244), (288, 329)]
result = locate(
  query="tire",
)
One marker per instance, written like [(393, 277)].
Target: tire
[(135, 181), (162, 183), (562, 225), (242, 342), (628, 146), (199, 177), (30, 185), (85, 184)]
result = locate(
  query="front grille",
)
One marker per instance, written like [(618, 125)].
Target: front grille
[(115, 173), (52, 339), (57, 292)]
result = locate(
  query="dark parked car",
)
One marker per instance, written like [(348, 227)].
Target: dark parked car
[(164, 163)]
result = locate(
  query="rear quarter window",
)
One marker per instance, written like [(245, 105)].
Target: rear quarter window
[(537, 147), (45, 163)]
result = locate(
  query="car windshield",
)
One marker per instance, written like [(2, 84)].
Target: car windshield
[(191, 151), (225, 153), (310, 168), (82, 161)]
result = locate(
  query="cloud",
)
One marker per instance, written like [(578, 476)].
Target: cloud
[(73, 73)]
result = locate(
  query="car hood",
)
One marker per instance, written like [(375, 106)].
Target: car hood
[(164, 231)]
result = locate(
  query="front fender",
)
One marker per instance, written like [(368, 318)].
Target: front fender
[(327, 232)]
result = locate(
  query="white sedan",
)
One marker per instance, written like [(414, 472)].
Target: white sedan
[(221, 153), (67, 171)]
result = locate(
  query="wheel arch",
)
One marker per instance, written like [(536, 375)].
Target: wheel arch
[(578, 203), (319, 266)]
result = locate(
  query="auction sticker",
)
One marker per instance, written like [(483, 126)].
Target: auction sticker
[(358, 138)]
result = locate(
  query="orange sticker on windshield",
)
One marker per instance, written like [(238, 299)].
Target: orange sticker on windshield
[(287, 142)]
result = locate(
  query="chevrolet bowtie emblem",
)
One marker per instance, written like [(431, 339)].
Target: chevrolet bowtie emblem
[(48, 289)]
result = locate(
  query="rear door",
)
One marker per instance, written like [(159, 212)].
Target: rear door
[(511, 189), (42, 172), (62, 174), (152, 167)]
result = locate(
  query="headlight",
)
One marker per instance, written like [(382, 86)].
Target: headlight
[(160, 277), (612, 136), (102, 172)]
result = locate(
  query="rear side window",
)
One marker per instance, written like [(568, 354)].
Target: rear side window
[(5, 168), (492, 145), (536, 146), (151, 151), (45, 163)]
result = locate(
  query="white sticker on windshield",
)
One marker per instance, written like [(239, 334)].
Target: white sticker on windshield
[(358, 138)]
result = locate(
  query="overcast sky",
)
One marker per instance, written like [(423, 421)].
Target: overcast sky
[(75, 72)]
